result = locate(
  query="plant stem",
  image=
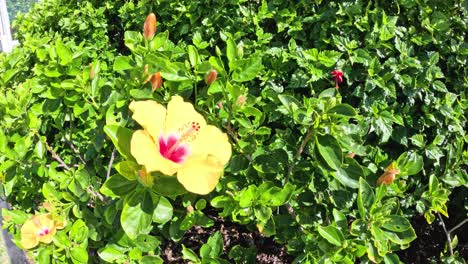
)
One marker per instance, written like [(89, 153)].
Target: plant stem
[(109, 167), (449, 239), (458, 226)]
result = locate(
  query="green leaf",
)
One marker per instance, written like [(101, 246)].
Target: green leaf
[(262, 213), (392, 259), (151, 260), (163, 211), (112, 252), (193, 55), (79, 255), (332, 234), (409, 163), (128, 169), (396, 223), (365, 198), (122, 63), (167, 185), (213, 247), (121, 137), (343, 109), (189, 254), (330, 150), (349, 174), (246, 69), (117, 185), (137, 214), (63, 52), (231, 50), (79, 231)]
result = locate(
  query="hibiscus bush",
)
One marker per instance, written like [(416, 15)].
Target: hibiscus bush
[(332, 129)]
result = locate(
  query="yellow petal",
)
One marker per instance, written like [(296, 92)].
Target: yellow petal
[(29, 237), (146, 152), (150, 115), (179, 114), (200, 174), (213, 142)]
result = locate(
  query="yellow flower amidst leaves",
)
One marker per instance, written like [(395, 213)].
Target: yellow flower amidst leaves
[(177, 140), (39, 228)]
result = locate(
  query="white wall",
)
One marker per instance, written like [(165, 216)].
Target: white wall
[(6, 42)]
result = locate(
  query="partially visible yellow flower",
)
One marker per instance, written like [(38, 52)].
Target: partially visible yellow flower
[(39, 228), (177, 140)]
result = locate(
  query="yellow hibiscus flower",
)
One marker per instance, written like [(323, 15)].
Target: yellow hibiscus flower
[(40, 228), (178, 140)]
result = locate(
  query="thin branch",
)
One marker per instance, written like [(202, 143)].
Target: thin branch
[(299, 151), (109, 167), (458, 226), (449, 239), (77, 152), (56, 157)]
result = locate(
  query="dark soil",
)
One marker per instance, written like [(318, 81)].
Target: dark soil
[(431, 241), (233, 234)]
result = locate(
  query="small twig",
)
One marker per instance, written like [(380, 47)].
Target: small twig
[(449, 239), (77, 152), (109, 167), (299, 151), (458, 226), (93, 193), (56, 157)]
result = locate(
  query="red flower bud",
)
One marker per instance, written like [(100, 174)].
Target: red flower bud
[(149, 28), (211, 77), (337, 76), (156, 81)]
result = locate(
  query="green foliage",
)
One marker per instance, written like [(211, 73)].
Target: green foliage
[(306, 156)]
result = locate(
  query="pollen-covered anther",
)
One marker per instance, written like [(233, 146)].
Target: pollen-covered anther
[(189, 131)]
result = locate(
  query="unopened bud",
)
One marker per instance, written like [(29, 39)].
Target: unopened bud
[(47, 206), (389, 175), (145, 178), (145, 70), (220, 105), (351, 155), (91, 72), (156, 81), (211, 77), (241, 100), (149, 28)]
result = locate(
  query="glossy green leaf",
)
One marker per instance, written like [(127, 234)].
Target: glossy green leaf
[(409, 163), (137, 212), (163, 211), (330, 150), (332, 234), (365, 198), (246, 69), (121, 137), (79, 255)]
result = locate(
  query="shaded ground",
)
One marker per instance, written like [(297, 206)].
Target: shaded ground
[(233, 234), (431, 242)]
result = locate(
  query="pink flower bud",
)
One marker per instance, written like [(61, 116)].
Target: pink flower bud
[(149, 28)]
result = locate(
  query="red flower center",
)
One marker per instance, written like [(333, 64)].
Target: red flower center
[(44, 231), (172, 149)]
